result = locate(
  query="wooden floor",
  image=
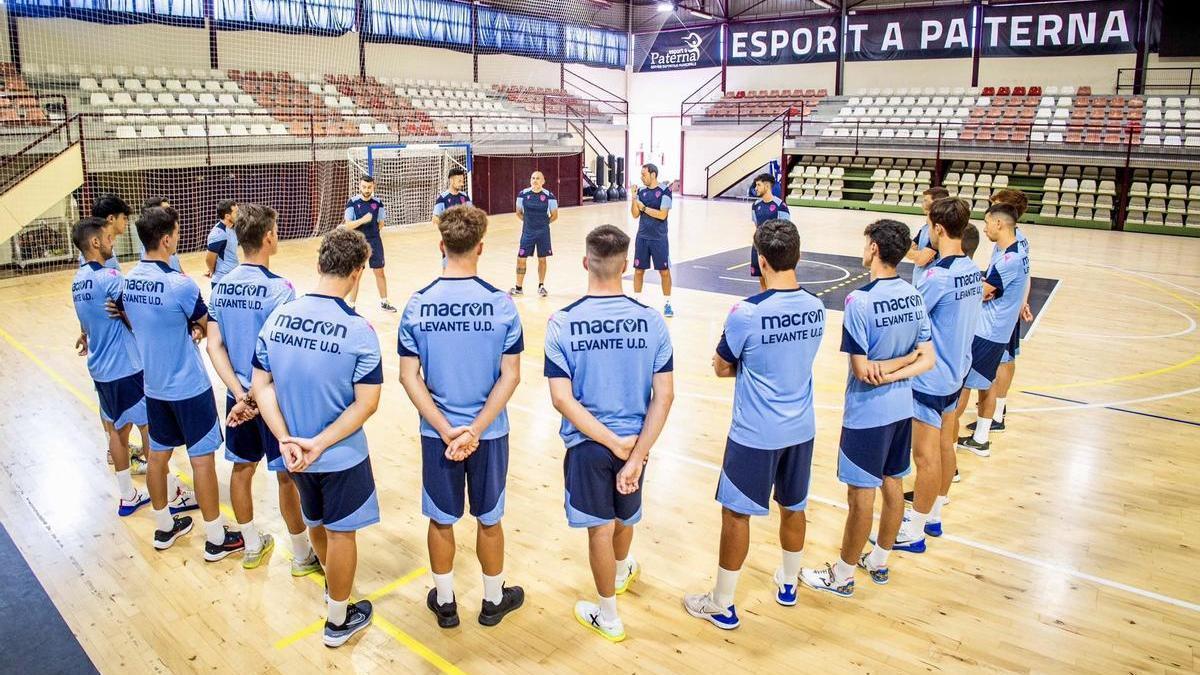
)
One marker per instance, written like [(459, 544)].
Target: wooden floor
[(1073, 548)]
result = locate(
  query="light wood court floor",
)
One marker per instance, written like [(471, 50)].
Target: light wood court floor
[(1073, 548)]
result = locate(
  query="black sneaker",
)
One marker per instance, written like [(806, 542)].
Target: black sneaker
[(232, 544), (358, 617), (511, 599), (164, 538), (387, 307), (996, 428), (447, 614), (970, 444)]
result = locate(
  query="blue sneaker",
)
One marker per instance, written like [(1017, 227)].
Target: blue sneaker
[(907, 542), (786, 592), (702, 606), (358, 617), (824, 580), (128, 506), (878, 574), (667, 311), (933, 529)]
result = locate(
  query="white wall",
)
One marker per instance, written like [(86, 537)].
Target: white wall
[(1099, 72), (418, 63), (702, 146), (66, 41), (659, 95), (616, 81), (4, 55), (507, 69), (799, 76), (261, 50), (894, 74)]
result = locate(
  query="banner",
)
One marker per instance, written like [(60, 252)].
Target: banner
[(926, 33), (1060, 28), (678, 49), (774, 43)]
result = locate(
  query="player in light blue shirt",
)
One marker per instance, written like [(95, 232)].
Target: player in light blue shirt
[(112, 356), (766, 207), (460, 344), (537, 207), (115, 213), (454, 195), (922, 253), (238, 308), (610, 366), (1004, 296), (952, 289), (166, 312), (317, 379), (165, 203), (769, 344), (222, 244), (885, 333), (651, 205)]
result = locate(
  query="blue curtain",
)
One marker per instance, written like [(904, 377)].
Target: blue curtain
[(318, 17), (519, 34), (176, 12), (595, 46), (431, 22)]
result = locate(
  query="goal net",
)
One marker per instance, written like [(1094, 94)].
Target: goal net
[(408, 178)]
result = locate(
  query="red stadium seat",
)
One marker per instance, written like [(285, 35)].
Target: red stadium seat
[(1018, 91), (989, 91), (1003, 91), (1084, 91), (1035, 91)]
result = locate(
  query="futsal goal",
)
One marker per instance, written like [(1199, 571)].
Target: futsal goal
[(408, 177)]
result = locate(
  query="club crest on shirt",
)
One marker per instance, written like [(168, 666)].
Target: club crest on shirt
[(772, 208), (543, 197)]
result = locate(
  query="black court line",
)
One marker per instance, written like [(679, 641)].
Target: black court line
[(1165, 418), (33, 635), (828, 276)]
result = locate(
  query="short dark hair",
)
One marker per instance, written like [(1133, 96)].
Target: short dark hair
[(652, 168), (462, 228), (779, 242), (252, 224), (154, 201), (367, 178), (605, 246), (155, 223), (456, 171), (1006, 212), (936, 193), (892, 238), (109, 204), (952, 214), (764, 178), (970, 240), (225, 208), (1013, 197), (342, 252), (84, 230)]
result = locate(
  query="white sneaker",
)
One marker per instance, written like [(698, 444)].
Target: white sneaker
[(588, 615), (785, 593), (824, 580), (185, 500), (702, 606), (128, 506), (628, 575)]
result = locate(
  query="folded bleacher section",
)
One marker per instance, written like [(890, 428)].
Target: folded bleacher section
[(738, 105)]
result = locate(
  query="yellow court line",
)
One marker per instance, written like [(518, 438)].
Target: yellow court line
[(300, 634), (416, 646), (402, 581), (58, 379)]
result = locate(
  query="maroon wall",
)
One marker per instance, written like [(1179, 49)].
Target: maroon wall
[(496, 180)]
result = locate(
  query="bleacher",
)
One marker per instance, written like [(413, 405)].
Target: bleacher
[(19, 106), (738, 105), (548, 101)]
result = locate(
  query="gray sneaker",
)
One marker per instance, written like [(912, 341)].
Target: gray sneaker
[(358, 617), (307, 566)]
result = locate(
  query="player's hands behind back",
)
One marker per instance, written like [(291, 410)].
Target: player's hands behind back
[(299, 453)]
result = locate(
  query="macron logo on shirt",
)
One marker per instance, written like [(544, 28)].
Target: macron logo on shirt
[(303, 325)]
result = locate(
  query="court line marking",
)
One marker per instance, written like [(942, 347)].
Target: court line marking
[(995, 550), (738, 266), (1124, 410), (1191, 326)]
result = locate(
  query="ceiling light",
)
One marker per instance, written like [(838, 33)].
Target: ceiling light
[(666, 7)]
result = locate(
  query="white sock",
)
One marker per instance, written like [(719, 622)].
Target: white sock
[(625, 566), (172, 485), (998, 416), (493, 588), (982, 427), (726, 586), (917, 520), (214, 530), (250, 536), (791, 565), (608, 608), (300, 546), (163, 521), (935, 515), (842, 571), (878, 557), (337, 610), (125, 484), (383, 301), (444, 583), (667, 297)]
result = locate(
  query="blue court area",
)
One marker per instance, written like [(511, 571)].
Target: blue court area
[(829, 277), (34, 636)]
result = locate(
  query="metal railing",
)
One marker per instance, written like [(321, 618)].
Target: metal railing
[(21, 164), (1166, 80), (781, 120)]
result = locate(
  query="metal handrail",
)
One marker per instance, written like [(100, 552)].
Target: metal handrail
[(615, 97), (782, 117), (7, 160)]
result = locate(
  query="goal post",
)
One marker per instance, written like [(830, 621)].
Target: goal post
[(408, 177)]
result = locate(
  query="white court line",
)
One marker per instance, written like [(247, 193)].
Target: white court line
[(1190, 321)]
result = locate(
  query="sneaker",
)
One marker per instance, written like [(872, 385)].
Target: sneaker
[(878, 574), (387, 307), (511, 599), (137, 466), (822, 580), (232, 544), (627, 576), (785, 593), (906, 541), (667, 311), (308, 565), (128, 506), (996, 428), (164, 538), (516, 291), (957, 478), (185, 500), (542, 291), (588, 615), (933, 529), (702, 606), (980, 449), (447, 614), (358, 617), (253, 559)]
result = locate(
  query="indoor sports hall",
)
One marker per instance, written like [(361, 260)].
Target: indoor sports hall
[(140, 141)]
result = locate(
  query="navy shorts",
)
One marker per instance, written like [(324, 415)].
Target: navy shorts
[(191, 422), (590, 473), (123, 401), (342, 501), (755, 270), (929, 408), (483, 475), (648, 252), (376, 260), (985, 358), (1013, 349), (249, 442), (536, 243), (748, 476), (865, 456)]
